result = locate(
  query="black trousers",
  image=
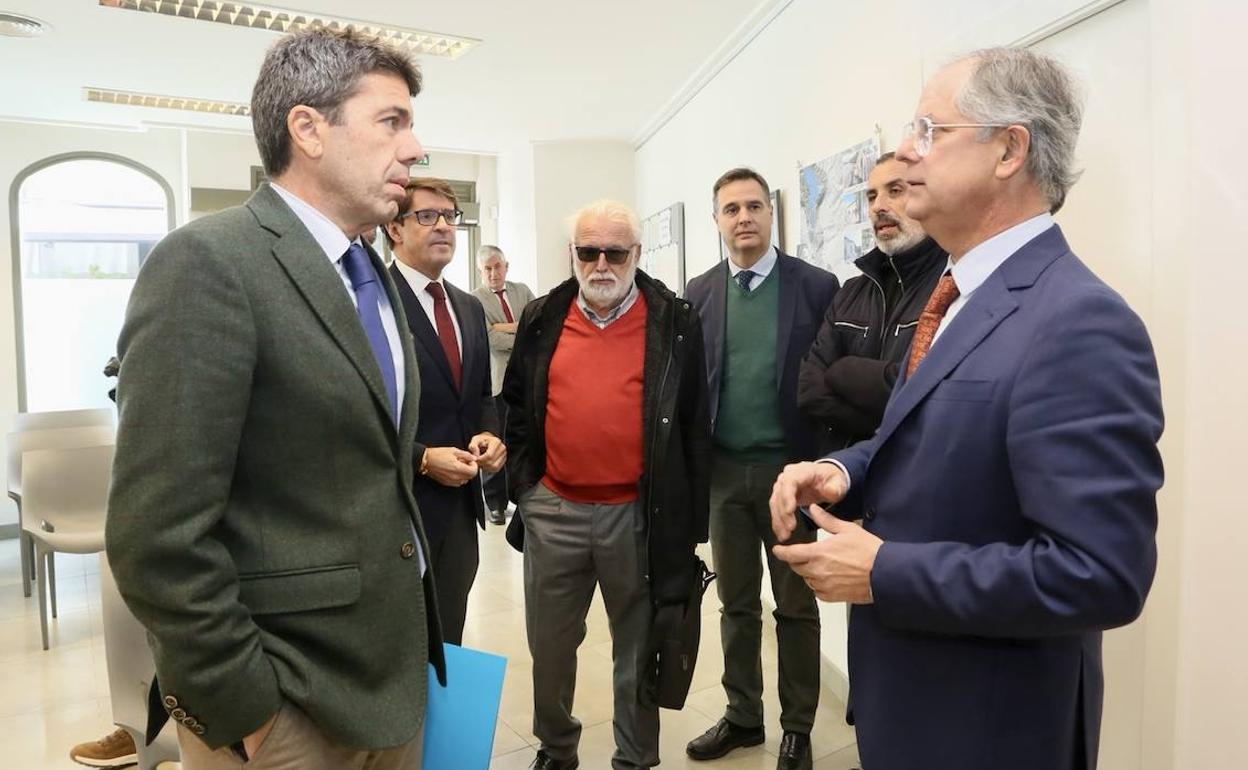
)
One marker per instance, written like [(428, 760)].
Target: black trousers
[(496, 483)]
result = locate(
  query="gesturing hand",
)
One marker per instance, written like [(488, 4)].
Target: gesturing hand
[(449, 466), (837, 568), (489, 450), (803, 484)]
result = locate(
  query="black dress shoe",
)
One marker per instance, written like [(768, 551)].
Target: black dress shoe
[(723, 738), (545, 761), (794, 751), (498, 517)]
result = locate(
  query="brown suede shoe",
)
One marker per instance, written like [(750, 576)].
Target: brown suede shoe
[(113, 750)]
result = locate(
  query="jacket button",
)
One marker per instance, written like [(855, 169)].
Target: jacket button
[(178, 714), (870, 514), (407, 551), (190, 722), (171, 702), (680, 338), (666, 421), (198, 729)]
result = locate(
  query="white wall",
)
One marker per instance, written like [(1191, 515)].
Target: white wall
[(566, 176), (220, 160)]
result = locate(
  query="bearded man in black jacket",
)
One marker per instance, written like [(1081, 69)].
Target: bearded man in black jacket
[(845, 380)]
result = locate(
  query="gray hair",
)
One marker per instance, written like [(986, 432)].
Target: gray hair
[(612, 211), (488, 252), (319, 68), (1020, 87)]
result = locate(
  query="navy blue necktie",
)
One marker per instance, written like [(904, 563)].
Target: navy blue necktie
[(743, 279), (368, 301)]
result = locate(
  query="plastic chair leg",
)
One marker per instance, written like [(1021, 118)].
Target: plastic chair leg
[(43, 595), (25, 546), (51, 557)]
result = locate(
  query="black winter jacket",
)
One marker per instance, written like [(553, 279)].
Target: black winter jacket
[(674, 486), (847, 376)]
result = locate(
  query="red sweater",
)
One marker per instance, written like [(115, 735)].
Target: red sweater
[(593, 408)]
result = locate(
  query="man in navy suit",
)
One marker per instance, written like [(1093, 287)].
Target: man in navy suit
[(458, 430), (1008, 500), (760, 311)]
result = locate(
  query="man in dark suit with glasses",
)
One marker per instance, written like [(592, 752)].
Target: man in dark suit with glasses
[(458, 433)]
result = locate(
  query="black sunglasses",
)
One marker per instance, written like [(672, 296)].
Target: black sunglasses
[(614, 256), (429, 217)]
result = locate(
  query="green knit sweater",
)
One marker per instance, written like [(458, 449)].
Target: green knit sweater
[(747, 423)]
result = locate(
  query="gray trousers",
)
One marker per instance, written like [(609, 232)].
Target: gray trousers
[(568, 549), (740, 526), (296, 743)]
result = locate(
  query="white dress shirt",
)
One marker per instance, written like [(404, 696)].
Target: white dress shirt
[(761, 269), (419, 283), (970, 272), (334, 243)]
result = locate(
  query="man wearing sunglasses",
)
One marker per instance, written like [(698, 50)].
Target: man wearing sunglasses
[(458, 432), (1008, 499), (760, 310), (608, 437)]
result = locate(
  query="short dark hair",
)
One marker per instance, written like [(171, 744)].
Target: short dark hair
[(433, 185), (885, 157), (320, 68), (737, 175)]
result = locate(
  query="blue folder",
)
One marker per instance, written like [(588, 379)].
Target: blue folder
[(460, 718)]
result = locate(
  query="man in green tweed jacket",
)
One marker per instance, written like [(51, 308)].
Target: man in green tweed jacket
[(260, 522)]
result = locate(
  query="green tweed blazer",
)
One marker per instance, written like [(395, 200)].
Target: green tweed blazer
[(260, 522)]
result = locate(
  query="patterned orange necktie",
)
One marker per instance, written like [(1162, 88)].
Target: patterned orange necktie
[(929, 321)]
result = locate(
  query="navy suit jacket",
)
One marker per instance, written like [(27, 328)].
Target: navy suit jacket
[(805, 293), (1014, 482), (449, 416)]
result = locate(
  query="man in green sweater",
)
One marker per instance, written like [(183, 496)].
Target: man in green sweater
[(760, 310)]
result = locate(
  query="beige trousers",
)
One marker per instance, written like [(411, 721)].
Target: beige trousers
[(295, 743)]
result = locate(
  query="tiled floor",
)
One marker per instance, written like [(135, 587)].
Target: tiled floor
[(52, 700)]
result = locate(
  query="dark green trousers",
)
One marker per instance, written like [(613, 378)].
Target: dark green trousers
[(740, 530)]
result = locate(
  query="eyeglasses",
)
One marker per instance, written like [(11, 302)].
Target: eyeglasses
[(615, 256), (429, 217), (921, 129)]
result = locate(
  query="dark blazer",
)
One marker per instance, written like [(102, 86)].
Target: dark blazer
[(805, 293), (1014, 482), (259, 521), (449, 417)]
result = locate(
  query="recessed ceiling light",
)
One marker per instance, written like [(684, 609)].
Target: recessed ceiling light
[(282, 21), (16, 25), (134, 99)]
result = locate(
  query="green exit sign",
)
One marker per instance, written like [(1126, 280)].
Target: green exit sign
[(423, 161)]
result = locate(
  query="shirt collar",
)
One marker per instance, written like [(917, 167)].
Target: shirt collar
[(976, 265), (602, 321), (761, 268), (327, 235), (416, 279)]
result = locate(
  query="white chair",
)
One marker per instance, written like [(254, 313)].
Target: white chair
[(57, 438), (64, 500), (69, 418), (130, 672)]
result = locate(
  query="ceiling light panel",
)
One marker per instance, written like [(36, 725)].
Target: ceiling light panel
[(279, 20), (134, 99)]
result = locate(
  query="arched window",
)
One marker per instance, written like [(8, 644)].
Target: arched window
[(84, 224)]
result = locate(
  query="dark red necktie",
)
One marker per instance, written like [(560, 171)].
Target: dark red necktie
[(502, 300), (929, 321), (446, 330)]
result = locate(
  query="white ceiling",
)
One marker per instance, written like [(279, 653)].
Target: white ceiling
[(548, 70)]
